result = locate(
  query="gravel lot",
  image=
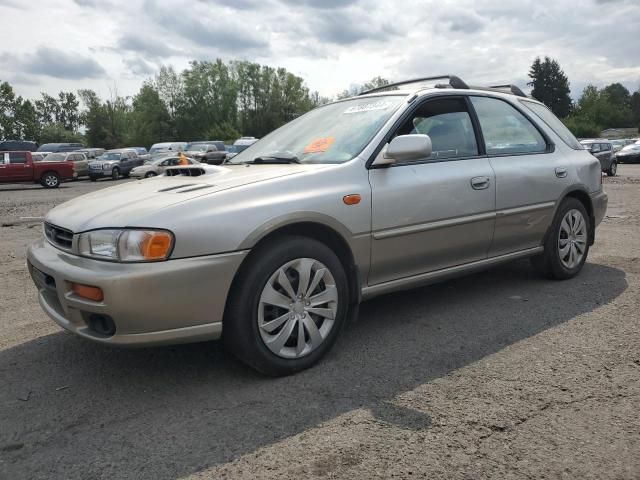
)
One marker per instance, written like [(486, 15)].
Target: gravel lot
[(496, 375)]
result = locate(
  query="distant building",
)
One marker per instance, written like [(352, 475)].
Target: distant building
[(613, 133)]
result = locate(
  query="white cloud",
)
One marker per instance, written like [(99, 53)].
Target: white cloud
[(331, 43)]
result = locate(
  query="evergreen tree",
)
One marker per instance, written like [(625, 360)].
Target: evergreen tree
[(550, 86)]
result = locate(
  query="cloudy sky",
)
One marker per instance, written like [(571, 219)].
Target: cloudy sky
[(49, 45)]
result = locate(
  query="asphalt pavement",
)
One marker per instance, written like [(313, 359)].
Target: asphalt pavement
[(496, 375)]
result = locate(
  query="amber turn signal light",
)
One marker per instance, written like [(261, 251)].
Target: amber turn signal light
[(88, 292), (352, 199)]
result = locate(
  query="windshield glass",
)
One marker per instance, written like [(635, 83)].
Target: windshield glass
[(197, 148), (109, 156), (334, 133)]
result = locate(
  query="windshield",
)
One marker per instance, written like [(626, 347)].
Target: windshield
[(202, 147), (334, 133), (109, 156), (617, 142)]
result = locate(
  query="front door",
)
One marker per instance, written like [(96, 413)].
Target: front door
[(437, 212)]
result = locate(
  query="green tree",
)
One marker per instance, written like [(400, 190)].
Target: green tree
[(7, 107), (634, 104), (56, 132), (354, 90), (550, 86), (225, 132), (150, 121)]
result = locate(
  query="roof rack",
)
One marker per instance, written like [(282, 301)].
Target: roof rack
[(454, 82), (513, 89)]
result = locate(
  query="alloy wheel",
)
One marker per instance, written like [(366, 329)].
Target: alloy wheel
[(572, 239), (297, 308), (51, 180)]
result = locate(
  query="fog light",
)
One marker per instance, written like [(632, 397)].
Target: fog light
[(88, 292)]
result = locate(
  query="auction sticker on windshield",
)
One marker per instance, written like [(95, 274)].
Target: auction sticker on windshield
[(369, 107), (319, 145)]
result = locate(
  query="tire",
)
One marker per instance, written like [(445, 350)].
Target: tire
[(115, 174), (93, 179), (150, 174), (613, 169), (275, 349), (554, 263), (50, 180)]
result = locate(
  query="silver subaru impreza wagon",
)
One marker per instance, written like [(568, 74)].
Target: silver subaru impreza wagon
[(395, 188)]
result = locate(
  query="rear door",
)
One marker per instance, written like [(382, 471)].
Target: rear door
[(530, 176), (436, 212)]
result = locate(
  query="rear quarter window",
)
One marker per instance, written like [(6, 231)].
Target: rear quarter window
[(554, 123)]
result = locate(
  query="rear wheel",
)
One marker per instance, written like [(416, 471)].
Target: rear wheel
[(115, 173), (567, 244), (287, 306), (50, 180), (613, 169)]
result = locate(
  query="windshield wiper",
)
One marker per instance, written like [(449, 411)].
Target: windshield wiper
[(276, 158)]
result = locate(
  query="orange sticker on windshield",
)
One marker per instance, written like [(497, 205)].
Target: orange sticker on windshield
[(319, 145)]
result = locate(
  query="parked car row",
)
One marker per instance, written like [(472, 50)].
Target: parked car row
[(630, 153), (97, 163)]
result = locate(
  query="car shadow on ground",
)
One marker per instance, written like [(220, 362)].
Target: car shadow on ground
[(72, 409)]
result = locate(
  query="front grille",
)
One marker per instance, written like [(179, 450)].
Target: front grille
[(59, 237)]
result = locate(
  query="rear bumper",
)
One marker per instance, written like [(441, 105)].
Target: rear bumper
[(176, 301)]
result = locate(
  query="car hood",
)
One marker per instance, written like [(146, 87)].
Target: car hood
[(128, 204), (631, 149)]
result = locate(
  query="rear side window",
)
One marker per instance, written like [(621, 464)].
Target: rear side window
[(553, 123), (506, 131), (17, 157)]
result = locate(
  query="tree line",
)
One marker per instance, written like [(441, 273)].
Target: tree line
[(595, 110), (207, 100), (224, 100)]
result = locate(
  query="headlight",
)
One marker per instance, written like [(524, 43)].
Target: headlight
[(127, 245), (106, 166)]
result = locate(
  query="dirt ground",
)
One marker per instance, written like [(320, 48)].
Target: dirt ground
[(496, 375)]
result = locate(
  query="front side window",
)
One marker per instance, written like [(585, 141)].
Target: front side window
[(448, 124), (506, 131), (333, 133), (595, 148)]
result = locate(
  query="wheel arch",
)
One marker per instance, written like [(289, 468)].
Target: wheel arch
[(315, 226), (580, 193)]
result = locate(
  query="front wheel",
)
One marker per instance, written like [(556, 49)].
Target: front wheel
[(287, 306), (613, 169), (115, 174), (567, 244), (50, 180), (150, 174)]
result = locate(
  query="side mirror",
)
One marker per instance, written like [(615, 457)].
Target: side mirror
[(406, 148)]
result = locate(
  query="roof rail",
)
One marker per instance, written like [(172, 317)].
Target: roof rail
[(454, 82), (513, 89)]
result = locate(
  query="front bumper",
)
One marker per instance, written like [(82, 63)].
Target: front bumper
[(99, 173), (176, 301), (628, 158), (599, 200)]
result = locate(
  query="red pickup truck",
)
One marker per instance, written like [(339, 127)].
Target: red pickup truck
[(19, 167)]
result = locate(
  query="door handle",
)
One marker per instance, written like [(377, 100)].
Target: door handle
[(480, 183), (561, 172)]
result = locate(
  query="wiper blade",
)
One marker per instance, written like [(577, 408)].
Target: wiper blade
[(276, 159)]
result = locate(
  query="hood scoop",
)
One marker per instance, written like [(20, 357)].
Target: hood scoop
[(187, 187), (187, 171)]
